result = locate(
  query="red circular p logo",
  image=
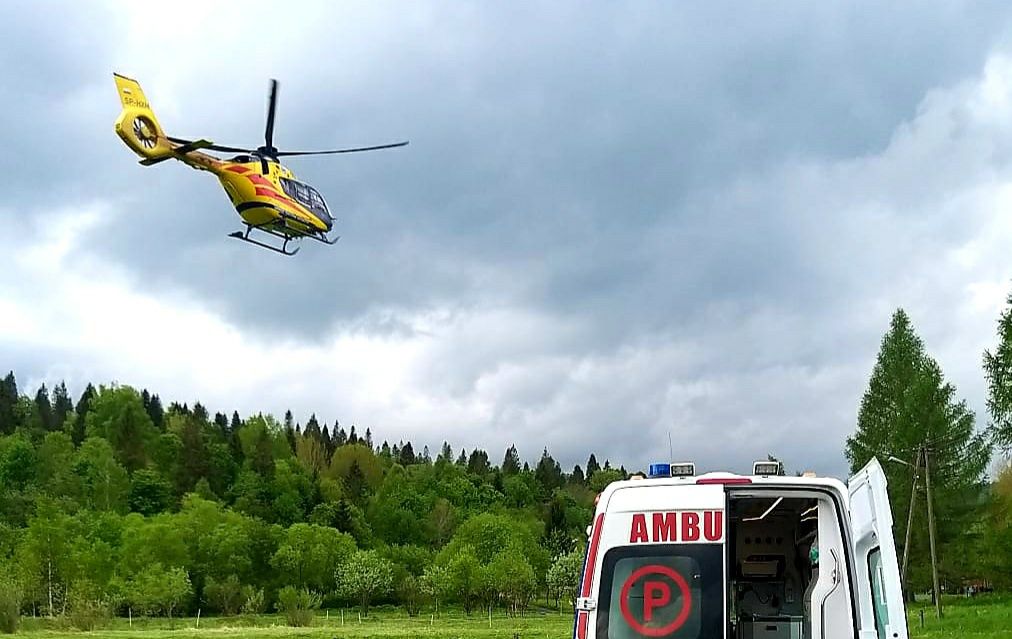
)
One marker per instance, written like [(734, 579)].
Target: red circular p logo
[(656, 594)]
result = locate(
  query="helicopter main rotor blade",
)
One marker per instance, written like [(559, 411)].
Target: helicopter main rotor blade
[(364, 148), (213, 147), (271, 108)]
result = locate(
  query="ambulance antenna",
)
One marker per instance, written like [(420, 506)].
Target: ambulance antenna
[(671, 453)]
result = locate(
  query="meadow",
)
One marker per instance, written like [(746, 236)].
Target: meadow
[(980, 617)]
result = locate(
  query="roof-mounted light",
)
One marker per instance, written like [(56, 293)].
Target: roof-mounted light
[(683, 469), (766, 468), (659, 470)]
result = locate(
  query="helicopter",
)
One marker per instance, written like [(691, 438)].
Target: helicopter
[(265, 194)]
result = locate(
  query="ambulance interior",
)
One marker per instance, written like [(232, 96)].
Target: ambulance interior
[(772, 574)]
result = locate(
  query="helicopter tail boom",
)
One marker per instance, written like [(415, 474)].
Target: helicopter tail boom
[(137, 125)]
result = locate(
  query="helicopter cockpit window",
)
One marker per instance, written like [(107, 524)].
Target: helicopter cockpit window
[(305, 195)]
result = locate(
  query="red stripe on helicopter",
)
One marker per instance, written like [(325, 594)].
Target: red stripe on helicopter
[(271, 193), (237, 169)]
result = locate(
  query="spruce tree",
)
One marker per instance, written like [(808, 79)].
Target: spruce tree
[(44, 408), (407, 456), (220, 422), (155, 411), (8, 404), (445, 453), (511, 461), (577, 475), (998, 373), (592, 466), (908, 408), (62, 405), (548, 473), (80, 412), (477, 463), (201, 413)]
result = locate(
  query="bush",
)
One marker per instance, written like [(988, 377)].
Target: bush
[(86, 613), (225, 595), (253, 601), (10, 606), (298, 605)]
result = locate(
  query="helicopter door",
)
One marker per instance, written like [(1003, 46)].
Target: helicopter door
[(881, 597)]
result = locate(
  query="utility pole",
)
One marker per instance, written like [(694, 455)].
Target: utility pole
[(931, 533), (910, 524)]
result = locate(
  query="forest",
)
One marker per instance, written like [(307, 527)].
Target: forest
[(112, 503), (117, 503)]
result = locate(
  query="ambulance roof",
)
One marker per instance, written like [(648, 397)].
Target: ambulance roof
[(731, 480)]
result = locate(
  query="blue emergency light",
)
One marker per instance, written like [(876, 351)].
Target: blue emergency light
[(659, 470)]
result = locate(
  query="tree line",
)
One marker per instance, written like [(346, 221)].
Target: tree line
[(116, 503)]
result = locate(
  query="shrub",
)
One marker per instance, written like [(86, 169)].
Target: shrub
[(10, 605), (253, 601), (225, 595), (86, 613), (298, 605)]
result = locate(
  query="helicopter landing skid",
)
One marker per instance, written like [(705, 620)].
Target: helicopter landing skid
[(244, 236)]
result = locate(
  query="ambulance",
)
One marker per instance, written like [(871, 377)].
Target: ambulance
[(725, 556)]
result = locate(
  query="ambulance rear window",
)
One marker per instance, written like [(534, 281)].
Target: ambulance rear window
[(673, 591)]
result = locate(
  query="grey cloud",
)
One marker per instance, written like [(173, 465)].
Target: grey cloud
[(630, 175)]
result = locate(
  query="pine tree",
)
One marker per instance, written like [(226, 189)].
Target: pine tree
[(998, 373), (289, 420), (368, 438), (462, 459), (340, 437), (352, 437), (80, 412), (62, 405), (511, 461), (592, 466), (385, 450), (426, 458), (577, 475), (8, 402)]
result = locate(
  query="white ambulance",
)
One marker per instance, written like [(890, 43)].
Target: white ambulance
[(724, 556)]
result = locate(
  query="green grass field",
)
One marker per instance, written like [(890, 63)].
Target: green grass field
[(984, 616)]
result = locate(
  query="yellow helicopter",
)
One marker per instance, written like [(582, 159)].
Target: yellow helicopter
[(265, 194)]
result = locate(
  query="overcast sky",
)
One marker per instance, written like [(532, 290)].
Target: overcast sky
[(614, 221)]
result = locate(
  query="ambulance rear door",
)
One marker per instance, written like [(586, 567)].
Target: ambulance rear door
[(660, 566), (878, 576)]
